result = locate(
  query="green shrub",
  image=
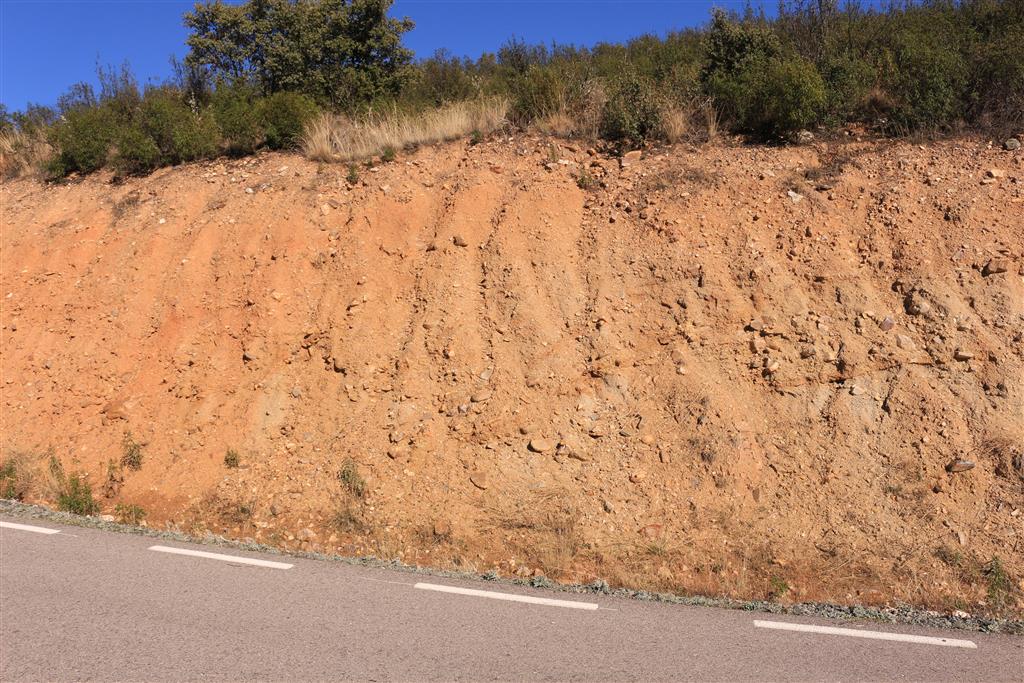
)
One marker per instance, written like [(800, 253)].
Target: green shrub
[(232, 459), (997, 77), (848, 86), (771, 97), (76, 496), (285, 115), (928, 80), (633, 113), (753, 84), (791, 97), (180, 133), (731, 47), (195, 137), (238, 118), (137, 153), (82, 140)]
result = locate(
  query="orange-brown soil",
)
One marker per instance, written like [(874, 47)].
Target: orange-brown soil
[(728, 370)]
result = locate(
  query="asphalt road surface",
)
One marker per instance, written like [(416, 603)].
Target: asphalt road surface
[(84, 604)]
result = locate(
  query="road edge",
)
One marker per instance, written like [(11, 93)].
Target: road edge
[(898, 614)]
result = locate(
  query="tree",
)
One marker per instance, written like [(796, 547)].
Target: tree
[(339, 52)]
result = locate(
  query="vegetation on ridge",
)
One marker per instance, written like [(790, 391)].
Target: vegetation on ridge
[(260, 73)]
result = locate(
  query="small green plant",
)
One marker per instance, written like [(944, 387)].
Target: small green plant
[(351, 479), (127, 513), (231, 459), (353, 174), (131, 457), (1000, 587), (585, 180), (76, 496), (388, 155), (777, 587), (476, 137), (553, 155)]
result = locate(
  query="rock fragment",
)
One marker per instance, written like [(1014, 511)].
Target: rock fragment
[(481, 396), (630, 158), (540, 445), (959, 465), (995, 267)]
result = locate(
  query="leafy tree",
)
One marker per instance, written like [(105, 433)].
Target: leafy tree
[(339, 52)]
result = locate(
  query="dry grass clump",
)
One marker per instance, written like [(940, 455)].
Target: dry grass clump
[(576, 115), (22, 153), (340, 138), (539, 527), (695, 121), (17, 476)]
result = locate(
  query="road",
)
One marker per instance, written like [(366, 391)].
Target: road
[(85, 604)]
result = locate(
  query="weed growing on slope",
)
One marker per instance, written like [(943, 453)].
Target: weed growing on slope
[(585, 180), (131, 456), (74, 494), (127, 513), (16, 476), (351, 479), (1000, 587)]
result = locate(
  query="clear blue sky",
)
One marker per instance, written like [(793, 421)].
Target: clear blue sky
[(46, 45)]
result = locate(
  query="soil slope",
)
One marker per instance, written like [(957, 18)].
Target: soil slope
[(727, 370)]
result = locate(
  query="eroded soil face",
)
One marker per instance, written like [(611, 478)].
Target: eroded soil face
[(728, 370)]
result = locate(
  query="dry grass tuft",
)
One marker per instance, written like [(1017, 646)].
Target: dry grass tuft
[(340, 138), (17, 476), (22, 153), (560, 124), (696, 121), (676, 123), (575, 117), (540, 528)]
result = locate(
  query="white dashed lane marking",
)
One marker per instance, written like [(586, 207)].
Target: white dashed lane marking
[(223, 558), (874, 635), (512, 597), (26, 527)]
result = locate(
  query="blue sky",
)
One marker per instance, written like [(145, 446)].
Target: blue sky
[(46, 45)]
